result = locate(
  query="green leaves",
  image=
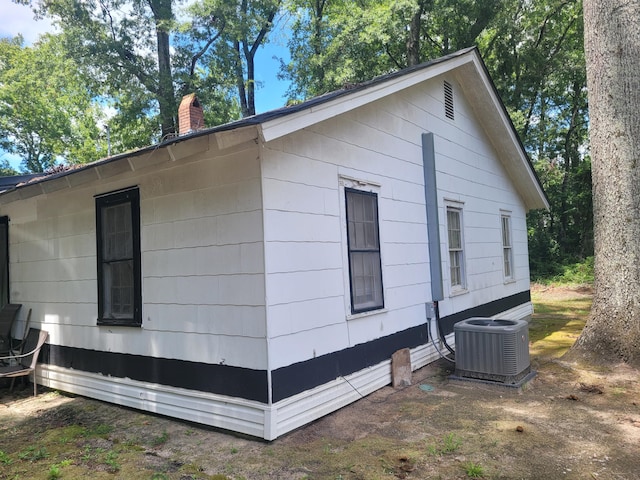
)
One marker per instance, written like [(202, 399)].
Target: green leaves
[(535, 53), (135, 59), (338, 42), (240, 27), (46, 111), (533, 50)]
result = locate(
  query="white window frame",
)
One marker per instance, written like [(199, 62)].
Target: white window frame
[(506, 231), (456, 249)]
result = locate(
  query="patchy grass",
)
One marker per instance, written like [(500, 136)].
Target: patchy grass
[(449, 444), (558, 319), (67, 442), (473, 470), (455, 430)]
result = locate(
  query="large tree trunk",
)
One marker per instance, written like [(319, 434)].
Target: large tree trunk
[(166, 94), (413, 42), (612, 47), (163, 17)]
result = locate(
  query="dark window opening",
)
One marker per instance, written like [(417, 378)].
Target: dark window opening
[(118, 252), (4, 261), (363, 243)]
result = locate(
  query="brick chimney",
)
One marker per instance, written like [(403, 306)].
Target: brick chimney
[(190, 115)]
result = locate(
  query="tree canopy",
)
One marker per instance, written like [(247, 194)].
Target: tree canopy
[(534, 52), (46, 108), (243, 26), (127, 63), (338, 42)]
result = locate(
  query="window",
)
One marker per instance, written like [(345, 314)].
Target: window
[(4, 261), (363, 244), (456, 248), (507, 246), (118, 252)]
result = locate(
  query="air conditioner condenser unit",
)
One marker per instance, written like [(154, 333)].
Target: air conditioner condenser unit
[(492, 349)]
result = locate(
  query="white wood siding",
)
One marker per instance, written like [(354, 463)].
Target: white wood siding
[(469, 171), (202, 262), (380, 143), (304, 219)]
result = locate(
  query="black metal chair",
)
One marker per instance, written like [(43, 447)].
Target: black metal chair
[(17, 343), (8, 316)]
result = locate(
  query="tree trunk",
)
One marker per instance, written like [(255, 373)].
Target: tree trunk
[(317, 36), (251, 81), (239, 71), (166, 95), (247, 89), (163, 16), (612, 48), (413, 42)]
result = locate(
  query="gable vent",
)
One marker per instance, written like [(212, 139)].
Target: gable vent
[(448, 100)]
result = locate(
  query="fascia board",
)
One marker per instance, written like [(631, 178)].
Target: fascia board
[(230, 138), (504, 136)]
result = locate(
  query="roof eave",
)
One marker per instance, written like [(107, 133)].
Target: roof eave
[(472, 74), (378, 88), (496, 121), (176, 148)]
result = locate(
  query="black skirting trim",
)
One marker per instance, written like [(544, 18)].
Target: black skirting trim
[(252, 384), (221, 379), (296, 378), (293, 379)]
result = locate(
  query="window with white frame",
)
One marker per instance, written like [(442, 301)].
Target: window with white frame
[(363, 246), (507, 246), (456, 248), (118, 252)]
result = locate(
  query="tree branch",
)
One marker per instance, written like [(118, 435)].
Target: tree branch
[(204, 49)]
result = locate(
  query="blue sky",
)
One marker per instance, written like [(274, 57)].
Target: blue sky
[(18, 19), (15, 19)]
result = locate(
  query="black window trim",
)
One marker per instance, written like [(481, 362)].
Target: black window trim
[(354, 310), (129, 195)]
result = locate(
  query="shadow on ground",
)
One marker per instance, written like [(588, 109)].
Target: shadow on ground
[(570, 422)]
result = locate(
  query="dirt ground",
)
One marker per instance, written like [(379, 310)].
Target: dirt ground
[(569, 422)]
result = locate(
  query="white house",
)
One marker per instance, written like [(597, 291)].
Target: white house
[(258, 275)]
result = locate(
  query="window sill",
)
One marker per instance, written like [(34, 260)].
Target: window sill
[(507, 281), (116, 322), (355, 316), (460, 291)]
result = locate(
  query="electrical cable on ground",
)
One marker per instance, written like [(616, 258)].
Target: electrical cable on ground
[(442, 355), (395, 390)]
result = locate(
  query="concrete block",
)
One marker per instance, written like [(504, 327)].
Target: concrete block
[(401, 368)]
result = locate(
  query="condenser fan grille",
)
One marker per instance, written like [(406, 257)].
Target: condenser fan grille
[(495, 350)]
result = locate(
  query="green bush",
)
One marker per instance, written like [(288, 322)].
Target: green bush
[(576, 273)]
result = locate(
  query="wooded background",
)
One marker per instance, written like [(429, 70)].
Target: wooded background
[(123, 65)]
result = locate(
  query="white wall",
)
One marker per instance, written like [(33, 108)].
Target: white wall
[(470, 172), (305, 244), (202, 261), (380, 145)]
